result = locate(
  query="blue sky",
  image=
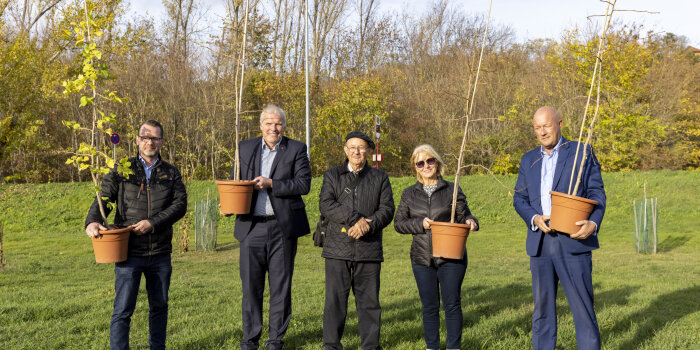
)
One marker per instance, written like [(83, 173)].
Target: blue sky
[(529, 18)]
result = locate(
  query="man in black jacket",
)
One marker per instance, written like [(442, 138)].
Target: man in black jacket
[(268, 235), (151, 199), (353, 245)]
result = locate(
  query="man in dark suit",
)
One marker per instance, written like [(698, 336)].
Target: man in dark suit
[(268, 235), (554, 256)]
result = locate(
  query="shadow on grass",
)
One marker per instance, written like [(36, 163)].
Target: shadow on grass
[(214, 340), (672, 242), (612, 297), (492, 302), (397, 311), (226, 246), (482, 301), (664, 310), (403, 311)]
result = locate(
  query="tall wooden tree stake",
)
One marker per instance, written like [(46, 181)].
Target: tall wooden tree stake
[(470, 108), (597, 69), (239, 96)]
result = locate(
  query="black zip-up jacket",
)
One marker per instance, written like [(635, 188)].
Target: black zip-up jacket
[(415, 205), (162, 201), (372, 198)]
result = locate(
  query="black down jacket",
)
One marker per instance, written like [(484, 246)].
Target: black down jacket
[(162, 202), (415, 205), (372, 198)]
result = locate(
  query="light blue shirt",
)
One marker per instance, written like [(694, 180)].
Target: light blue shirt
[(549, 165), (263, 207), (148, 168)]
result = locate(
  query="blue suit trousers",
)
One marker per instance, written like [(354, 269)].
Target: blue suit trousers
[(555, 265)]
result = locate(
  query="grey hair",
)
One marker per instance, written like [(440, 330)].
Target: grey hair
[(272, 109)]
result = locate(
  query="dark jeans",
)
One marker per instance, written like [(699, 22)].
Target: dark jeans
[(266, 250), (157, 270), (446, 281), (363, 277)]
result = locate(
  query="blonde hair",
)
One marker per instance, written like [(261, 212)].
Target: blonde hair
[(430, 151)]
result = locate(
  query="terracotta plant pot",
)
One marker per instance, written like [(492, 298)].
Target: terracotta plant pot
[(567, 210), (449, 239), (235, 196), (113, 246)]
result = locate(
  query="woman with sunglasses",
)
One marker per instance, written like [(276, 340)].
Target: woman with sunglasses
[(428, 200)]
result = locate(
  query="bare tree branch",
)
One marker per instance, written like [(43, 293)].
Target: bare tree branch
[(640, 11), (41, 14), (489, 171), (3, 6)]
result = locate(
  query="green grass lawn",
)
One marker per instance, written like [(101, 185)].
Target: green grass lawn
[(54, 296)]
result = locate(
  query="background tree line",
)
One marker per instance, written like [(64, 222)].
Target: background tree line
[(412, 70)]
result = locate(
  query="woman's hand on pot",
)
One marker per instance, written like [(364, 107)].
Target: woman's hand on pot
[(143, 226), (472, 225), (426, 223)]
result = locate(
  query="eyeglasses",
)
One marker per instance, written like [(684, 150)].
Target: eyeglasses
[(429, 161), (353, 149), (152, 139)]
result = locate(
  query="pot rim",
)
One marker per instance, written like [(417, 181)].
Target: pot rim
[(450, 224), (234, 182), (572, 197), (117, 231)]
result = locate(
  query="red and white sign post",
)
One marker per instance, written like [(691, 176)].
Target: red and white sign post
[(377, 157)]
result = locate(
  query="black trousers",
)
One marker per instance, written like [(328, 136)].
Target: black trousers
[(266, 250), (363, 278)]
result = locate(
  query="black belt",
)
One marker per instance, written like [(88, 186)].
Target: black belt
[(264, 218)]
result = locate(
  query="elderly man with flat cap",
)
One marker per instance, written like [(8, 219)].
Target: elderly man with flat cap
[(358, 202)]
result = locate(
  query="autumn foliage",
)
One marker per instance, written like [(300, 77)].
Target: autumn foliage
[(410, 69)]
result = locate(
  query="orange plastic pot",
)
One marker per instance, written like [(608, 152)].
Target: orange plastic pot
[(112, 246), (449, 239), (567, 210), (235, 196)]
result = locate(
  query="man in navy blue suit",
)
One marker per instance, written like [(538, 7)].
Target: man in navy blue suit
[(268, 235), (554, 256)]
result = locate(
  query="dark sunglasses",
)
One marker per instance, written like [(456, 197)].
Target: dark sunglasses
[(421, 164)]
